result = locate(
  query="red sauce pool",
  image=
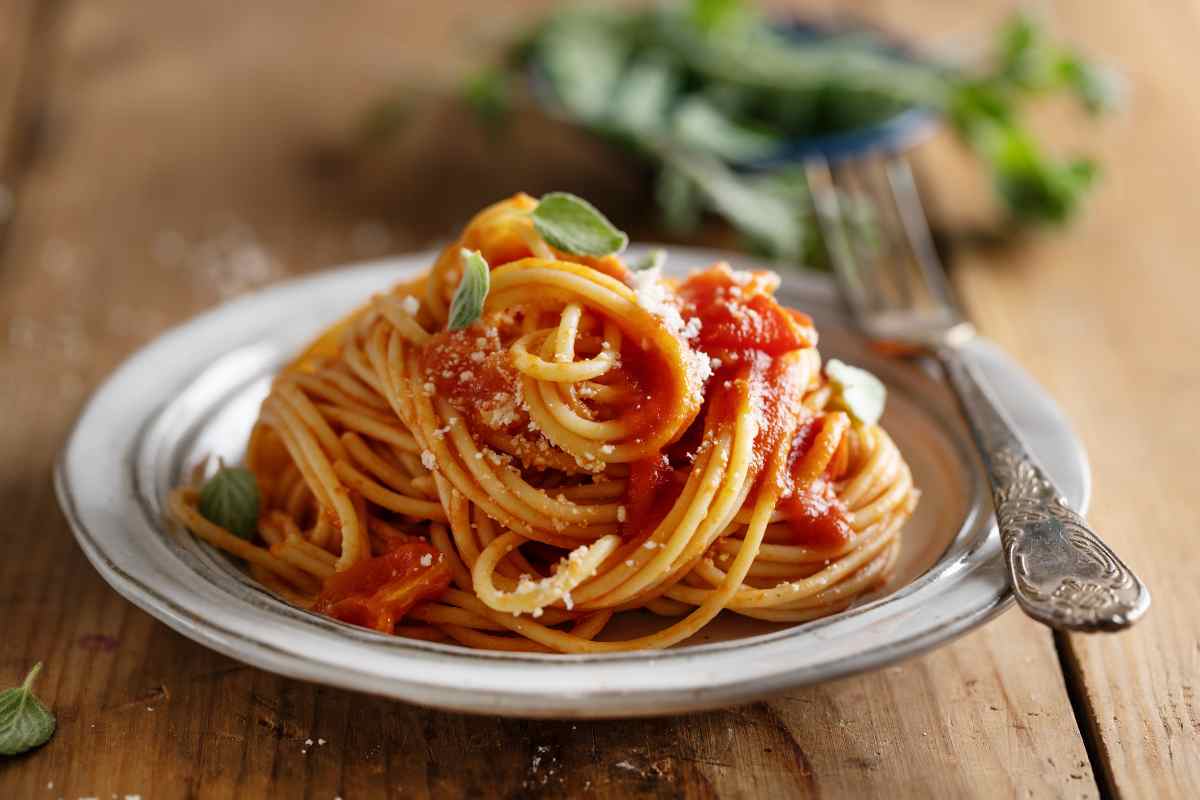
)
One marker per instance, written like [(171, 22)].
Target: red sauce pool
[(817, 519)]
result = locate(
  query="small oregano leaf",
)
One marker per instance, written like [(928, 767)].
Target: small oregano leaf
[(472, 291), (856, 391), (24, 722), (654, 259), (230, 499), (575, 226)]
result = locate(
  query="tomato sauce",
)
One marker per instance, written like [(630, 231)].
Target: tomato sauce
[(802, 442), (738, 313), (651, 491), (377, 592), (471, 369), (817, 519), (742, 325), (748, 333)]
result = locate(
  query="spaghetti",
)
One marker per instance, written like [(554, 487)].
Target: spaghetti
[(599, 441)]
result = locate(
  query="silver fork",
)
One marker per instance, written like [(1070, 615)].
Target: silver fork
[(1061, 572)]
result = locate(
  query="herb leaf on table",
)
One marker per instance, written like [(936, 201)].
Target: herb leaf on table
[(25, 723)]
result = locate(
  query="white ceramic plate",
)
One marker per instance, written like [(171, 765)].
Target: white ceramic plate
[(195, 391)]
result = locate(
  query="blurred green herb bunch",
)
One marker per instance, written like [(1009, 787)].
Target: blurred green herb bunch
[(721, 100)]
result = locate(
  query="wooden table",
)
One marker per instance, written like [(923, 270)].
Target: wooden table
[(156, 157)]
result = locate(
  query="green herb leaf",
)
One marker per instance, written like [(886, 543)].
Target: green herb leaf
[(766, 218), (24, 722), (708, 15), (487, 94), (575, 226), (652, 260), (679, 201), (472, 291), (856, 391), (1099, 89), (700, 125), (230, 499), (643, 97), (583, 53)]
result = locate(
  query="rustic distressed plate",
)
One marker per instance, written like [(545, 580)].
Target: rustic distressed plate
[(195, 391)]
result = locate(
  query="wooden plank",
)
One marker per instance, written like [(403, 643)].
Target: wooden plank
[(16, 40), (189, 149), (1106, 319)]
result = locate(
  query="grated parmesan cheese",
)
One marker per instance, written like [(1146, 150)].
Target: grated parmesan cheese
[(411, 305), (428, 460), (654, 296)]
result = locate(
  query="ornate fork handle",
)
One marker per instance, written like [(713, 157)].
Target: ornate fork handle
[(1062, 573)]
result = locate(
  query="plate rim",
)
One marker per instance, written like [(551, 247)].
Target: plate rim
[(593, 703)]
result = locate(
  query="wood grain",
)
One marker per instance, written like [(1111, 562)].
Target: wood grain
[(1118, 299), (1104, 318), (17, 42), (190, 148)]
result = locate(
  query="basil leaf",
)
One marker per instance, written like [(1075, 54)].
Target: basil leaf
[(643, 97), (24, 722), (583, 53), (708, 15), (701, 125), (679, 200), (652, 260), (230, 499), (856, 391), (487, 94), (760, 215), (472, 291), (574, 226)]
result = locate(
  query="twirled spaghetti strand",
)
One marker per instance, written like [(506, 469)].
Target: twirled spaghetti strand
[(599, 442)]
